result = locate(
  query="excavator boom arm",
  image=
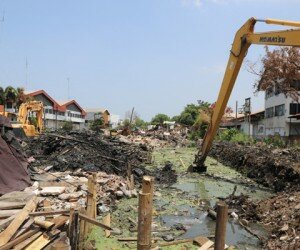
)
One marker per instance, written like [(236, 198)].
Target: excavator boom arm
[(242, 41)]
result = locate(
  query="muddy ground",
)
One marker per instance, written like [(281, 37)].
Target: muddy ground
[(276, 168), (180, 210)]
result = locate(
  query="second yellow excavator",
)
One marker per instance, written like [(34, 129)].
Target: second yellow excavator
[(244, 37), (29, 119)]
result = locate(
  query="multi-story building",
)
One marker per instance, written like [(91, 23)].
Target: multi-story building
[(97, 113), (281, 113), (57, 113)]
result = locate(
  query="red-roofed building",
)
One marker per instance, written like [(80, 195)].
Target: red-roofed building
[(57, 113)]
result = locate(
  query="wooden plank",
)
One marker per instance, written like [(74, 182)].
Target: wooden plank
[(20, 239), (42, 240), (4, 223), (94, 222), (59, 221), (206, 245), (7, 213), (24, 228), (81, 229), (26, 242), (8, 233), (43, 223), (91, 202), (11, 205), (106, 221), (175, 242), (45, 213)]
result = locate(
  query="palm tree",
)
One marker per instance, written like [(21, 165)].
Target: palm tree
[(20, 97), (2, 98), (10, 95), (7, 95)]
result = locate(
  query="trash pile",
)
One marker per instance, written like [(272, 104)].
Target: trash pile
[(86, 150), (275, 168), (89, 152), (159, 137), (280, 215)]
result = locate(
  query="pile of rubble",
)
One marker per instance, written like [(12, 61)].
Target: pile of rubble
[(41, 214), (91, 152), (159, 137), (275, 168), (280, 215), (86, 150)]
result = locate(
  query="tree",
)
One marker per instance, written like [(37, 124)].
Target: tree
[(67, 126), (7, 95), (160, 118), (140, 123), (280, 69), (191, 111), (21, 97), (97, 124)]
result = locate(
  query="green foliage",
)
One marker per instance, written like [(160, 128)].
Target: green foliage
[(275, 141), (234, 135), (67, 126), (159, 119), (97, 124), (175, 118), (190, 114), (140, 123)]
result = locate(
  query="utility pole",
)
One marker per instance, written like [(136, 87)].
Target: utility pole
[(26, 73), (68, 94), (236, 114)]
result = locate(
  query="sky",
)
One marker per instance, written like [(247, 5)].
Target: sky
[(154, 55)]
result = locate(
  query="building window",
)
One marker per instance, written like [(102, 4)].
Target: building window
[(269, 112), (9, 105), (280, 110), (269, 92), (294, 108), (295, 85)]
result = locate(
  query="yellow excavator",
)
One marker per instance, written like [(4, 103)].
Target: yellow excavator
[(29, 119), (244, 37)]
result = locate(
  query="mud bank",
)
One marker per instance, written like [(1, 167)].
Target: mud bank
[(278, 169)]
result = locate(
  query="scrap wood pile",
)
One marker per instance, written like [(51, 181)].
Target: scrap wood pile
[(86, 150), (280, 215), (48, 212), (275, 168)]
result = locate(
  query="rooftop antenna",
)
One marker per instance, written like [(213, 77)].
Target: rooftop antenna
[(26, 73)]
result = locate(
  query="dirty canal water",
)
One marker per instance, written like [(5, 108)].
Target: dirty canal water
[(180, 210)]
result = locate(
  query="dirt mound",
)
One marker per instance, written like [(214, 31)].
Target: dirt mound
[(275, 168)]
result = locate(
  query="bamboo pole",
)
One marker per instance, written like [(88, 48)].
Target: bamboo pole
[(145, 214), (91, 203), (73, 229), (222, 214), (81, 229)]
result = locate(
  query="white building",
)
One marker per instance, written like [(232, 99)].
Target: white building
[(57, 113), (280, 111)]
